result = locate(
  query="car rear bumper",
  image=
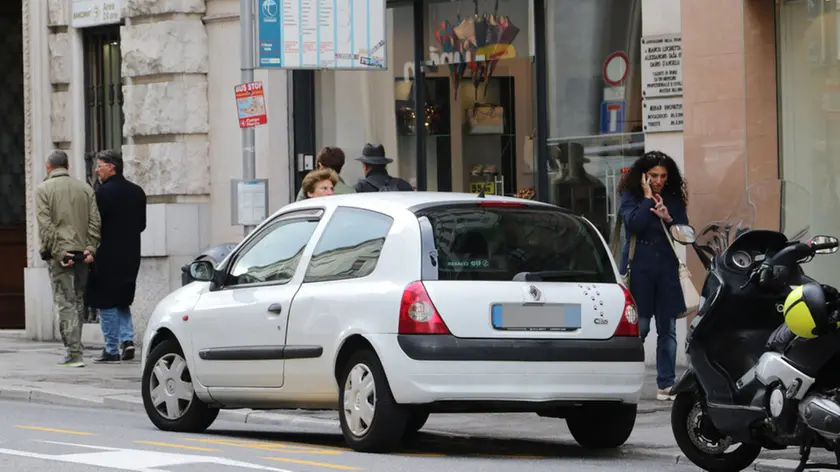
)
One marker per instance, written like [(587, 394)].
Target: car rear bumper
[(497, 377), (450, 348)]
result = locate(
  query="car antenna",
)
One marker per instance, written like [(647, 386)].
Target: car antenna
[(484, 187)]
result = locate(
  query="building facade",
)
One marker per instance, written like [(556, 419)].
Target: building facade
[(158, 83), (564, 103)]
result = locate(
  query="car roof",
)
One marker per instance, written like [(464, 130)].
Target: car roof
[(395, 202)]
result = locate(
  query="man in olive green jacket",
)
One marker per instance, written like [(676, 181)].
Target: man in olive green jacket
[(332, 158), (68, 225)]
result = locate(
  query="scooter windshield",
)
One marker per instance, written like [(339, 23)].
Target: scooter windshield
[(773, 204)]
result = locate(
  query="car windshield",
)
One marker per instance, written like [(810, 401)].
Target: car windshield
[(504, 243)]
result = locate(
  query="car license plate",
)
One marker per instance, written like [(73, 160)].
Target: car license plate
[(546, 317)]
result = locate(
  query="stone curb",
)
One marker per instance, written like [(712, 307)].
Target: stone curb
[(135, 405)]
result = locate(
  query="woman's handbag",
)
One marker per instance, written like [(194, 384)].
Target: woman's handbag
[(690, 295), (614, 245)]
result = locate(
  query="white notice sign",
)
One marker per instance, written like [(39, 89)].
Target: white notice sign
[(251, 202), (662, 66), (661, 115), (322, 34), (95, 12)]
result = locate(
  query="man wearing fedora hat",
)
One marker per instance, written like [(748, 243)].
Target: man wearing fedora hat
[(377, 178)]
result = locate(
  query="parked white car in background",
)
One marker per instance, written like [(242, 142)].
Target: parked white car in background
[(388, 307)]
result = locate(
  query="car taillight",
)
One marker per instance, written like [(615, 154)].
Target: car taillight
[(418, 314), (629, 323), (492, 203)]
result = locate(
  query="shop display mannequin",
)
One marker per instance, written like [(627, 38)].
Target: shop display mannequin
[(579, 192)]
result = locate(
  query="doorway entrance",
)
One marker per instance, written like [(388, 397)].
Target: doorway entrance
[(12, 172)]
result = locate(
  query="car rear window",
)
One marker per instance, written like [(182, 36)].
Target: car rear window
[(516, 243)]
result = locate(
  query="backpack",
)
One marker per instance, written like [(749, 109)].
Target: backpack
[(392, 185)]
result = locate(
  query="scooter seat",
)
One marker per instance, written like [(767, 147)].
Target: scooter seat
[(780, 339)]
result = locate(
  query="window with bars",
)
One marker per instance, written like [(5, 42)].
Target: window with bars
[(104, 100), (103, 93)]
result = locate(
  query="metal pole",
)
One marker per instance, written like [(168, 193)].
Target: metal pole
[(541, 88), (246, 29), (420, 95)]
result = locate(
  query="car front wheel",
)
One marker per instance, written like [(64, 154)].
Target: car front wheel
[(371, 420), (168, 394)]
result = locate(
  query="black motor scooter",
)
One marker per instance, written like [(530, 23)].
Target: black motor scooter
[(751, 382)]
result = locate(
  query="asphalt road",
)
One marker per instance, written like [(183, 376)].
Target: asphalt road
[(38, 438)]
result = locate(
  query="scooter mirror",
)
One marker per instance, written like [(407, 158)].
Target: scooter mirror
[(683, 234), (829, 241)]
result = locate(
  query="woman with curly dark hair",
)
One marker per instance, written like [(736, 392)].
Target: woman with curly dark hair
[(652, 193)]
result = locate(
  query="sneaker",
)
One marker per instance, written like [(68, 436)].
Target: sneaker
[(70, 362), (106, 358), (127, 350), (664, 394)]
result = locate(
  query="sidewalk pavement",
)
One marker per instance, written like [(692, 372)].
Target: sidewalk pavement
[(30, 374)]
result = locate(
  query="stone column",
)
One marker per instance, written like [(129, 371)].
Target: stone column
[(45, 89), (165, 65), (730, 136)]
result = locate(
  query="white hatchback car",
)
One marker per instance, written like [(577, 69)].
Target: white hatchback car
[(390, 307)]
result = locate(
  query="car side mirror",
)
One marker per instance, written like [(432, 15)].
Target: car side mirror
[(202, 271), (829, 243), (683, 234)]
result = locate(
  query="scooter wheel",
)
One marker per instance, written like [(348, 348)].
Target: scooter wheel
[(690, 432)]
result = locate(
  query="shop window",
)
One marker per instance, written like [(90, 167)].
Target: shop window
[(808, 61), (595, 127), (103, 92), (479, 98)]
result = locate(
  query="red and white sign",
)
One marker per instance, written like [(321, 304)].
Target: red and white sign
[(616, 68), (250, 104)]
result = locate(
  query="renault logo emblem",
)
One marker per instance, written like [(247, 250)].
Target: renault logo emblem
[(535, 293)]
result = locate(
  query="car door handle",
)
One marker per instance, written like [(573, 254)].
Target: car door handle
[(275, 308)]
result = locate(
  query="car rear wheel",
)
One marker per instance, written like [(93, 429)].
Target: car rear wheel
[(416, 420), (602, 426), (371, 420), (168, 394)]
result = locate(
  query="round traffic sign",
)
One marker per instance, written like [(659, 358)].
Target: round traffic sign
[(616, 68)]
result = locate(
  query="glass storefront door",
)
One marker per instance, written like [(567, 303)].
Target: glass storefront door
[(594, 103), (808, 52)]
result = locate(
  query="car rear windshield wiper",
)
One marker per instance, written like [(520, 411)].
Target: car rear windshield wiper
[(553, 276)]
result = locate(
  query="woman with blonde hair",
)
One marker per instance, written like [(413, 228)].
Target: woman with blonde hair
[(319, 183)]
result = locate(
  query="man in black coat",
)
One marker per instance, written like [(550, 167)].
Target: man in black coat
[(377, 179), (113, 277)]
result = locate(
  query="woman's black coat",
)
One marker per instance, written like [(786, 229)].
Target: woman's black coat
[(113, 276)]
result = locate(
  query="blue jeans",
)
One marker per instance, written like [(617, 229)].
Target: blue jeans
[(116, 328), (666, 348)]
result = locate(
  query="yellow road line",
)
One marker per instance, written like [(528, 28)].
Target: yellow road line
[(53, 430), (267, 446), (178, 446), (335, 448), (316, 464)]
